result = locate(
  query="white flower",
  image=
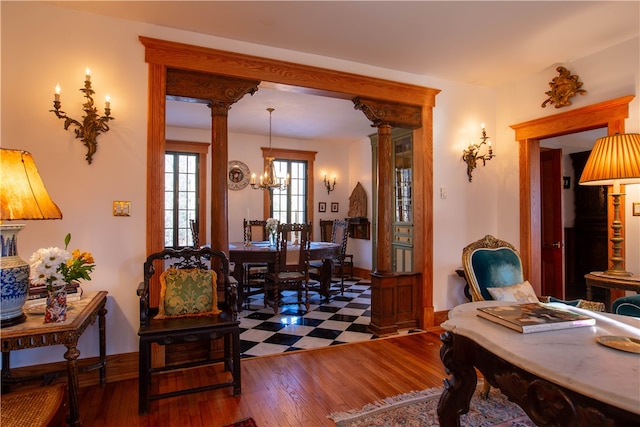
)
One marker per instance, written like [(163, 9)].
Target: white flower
[(45, 266), (271, 225)]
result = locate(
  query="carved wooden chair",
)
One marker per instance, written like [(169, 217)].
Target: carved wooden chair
[(191, 280), (340, 235), (494, 271), (291, 267)]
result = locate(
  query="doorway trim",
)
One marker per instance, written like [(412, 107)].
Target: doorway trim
[(161, 55), (610, 114)]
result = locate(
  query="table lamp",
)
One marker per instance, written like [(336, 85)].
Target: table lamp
[(614, 160), (23, 196)]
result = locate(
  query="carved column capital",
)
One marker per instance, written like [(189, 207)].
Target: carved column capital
[(219, 92), (391, 113)]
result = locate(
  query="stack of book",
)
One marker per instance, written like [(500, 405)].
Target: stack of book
[(534, 317), (38, 294)]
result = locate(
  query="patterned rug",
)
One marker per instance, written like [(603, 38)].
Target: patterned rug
[(419, 409)]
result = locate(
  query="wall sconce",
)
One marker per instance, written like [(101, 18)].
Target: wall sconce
[(472, 154), (92, 125), (328, 185)]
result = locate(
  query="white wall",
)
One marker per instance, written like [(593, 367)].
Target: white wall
[(43, 45), (609, 74)]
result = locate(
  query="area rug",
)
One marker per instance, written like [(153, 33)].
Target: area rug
[(419, 409), (244, 423)]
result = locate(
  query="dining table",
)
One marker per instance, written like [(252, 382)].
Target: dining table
[(262, 252)]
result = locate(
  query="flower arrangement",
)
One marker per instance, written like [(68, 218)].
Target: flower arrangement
[(55, 267), (271, 225)]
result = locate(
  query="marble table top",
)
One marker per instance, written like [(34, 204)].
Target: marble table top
[(571, 357)]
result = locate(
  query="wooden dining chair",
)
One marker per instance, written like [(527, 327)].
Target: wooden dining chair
[(340, 236), (253, 281), (291, 267)]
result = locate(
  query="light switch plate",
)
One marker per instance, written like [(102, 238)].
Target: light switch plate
[(121, 208)]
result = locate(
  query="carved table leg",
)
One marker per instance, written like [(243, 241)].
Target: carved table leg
[(72, 355), (459, 389), (326, 272)]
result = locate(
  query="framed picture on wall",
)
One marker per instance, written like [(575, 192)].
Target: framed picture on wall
[(334, 206), (322, 206)]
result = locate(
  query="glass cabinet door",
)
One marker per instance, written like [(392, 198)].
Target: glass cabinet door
[(402, 224), (402, 234)]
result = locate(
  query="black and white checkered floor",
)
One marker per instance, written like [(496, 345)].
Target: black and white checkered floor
[(343, 319)]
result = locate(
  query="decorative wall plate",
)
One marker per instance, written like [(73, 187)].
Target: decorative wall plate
[(237, 175)]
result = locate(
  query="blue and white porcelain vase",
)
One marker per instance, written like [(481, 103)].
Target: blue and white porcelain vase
[(14, 277)]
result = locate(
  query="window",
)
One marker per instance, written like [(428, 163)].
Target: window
[(289, 205), (184, 191), (295, 203)]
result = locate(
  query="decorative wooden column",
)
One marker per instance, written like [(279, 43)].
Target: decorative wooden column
[(219, 93), (395, 298)]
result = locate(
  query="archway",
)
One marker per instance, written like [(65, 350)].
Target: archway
[(162, 55)]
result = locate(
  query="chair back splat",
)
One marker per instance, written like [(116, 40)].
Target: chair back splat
[(189, 312), (291, 267)]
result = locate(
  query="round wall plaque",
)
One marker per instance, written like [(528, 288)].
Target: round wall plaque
[(237, 175)]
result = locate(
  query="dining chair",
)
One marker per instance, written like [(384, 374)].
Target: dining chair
[(291, 267), (188, 310), (253, 281), (340, 236)]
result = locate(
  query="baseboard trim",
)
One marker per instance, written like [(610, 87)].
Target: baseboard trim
[(119, 367)]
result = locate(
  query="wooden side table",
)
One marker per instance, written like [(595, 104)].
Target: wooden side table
[(35, 333), (601, 280)]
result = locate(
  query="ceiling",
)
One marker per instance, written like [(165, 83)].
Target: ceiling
[(472, 42)]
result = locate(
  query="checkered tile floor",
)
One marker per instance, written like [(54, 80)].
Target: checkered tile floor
[(343, 319)]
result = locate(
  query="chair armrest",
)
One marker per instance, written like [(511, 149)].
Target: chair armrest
[(143, 293)]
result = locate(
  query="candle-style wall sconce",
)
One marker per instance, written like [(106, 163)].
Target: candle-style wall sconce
[(472, 154), (92, 124), (328, 185)]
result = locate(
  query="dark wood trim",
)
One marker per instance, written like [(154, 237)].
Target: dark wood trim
[(610, 114), (161, 54)]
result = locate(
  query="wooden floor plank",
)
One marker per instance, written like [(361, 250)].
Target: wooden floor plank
[(292, 389)]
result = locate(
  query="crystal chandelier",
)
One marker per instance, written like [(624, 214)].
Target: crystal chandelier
[(269, 180)]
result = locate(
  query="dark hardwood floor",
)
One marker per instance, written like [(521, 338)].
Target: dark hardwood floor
[(290, 389)]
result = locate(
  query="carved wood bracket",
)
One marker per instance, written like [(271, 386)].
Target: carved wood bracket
[(218, 92), (391, 113)]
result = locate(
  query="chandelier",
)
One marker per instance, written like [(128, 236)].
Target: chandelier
[(269, 180)]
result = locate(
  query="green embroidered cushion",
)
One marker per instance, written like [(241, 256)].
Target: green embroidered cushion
[(187, 293)]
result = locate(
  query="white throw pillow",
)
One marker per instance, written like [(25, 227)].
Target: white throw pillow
[(520, 293)]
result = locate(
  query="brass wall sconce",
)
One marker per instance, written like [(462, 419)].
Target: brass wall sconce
[(328, 185), (92, 124), (472, 154)]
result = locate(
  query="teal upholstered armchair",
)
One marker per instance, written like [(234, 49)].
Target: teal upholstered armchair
[(627, 306), (494, 272)]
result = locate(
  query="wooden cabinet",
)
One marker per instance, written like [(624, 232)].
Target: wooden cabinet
[(591, 242), (402, 223)]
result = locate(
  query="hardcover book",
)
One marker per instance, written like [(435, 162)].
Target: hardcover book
[(534, 317)]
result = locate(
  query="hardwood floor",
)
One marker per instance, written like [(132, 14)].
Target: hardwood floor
[(291, 389)]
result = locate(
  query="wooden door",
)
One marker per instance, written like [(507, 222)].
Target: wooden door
[(552, 221)]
